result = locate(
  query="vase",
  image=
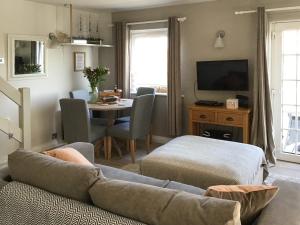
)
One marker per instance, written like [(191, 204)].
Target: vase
[(94, 95)]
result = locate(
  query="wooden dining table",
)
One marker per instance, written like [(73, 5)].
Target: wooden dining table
[(111, 110)]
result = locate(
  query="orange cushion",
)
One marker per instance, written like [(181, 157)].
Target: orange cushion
[(68, 154), (253, 198)]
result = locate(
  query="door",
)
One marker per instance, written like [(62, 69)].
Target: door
[(285, 83)]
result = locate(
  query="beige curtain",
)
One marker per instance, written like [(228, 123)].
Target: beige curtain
[(262, 125), (121, 47), (174, 79)]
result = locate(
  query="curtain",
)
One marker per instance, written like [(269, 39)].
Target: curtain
[(174, 79), (262, 124), (121, 46)]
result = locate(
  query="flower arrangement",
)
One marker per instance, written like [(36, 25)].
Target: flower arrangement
[(96, 76)]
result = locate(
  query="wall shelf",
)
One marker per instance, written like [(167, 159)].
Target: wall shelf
[(87, 45)]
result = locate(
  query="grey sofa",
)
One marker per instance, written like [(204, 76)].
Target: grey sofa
[(282, 210)]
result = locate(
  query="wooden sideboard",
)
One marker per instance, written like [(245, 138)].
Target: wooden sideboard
[(219, 116)]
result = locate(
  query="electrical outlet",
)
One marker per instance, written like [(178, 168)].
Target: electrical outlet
[(54, 136), (2, 61)]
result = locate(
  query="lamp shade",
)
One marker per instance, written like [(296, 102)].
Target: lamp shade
[(219, 42)]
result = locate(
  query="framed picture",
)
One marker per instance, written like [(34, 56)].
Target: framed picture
[(79, 61), (27, 57)]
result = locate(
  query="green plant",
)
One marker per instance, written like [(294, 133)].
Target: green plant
[(31, 68), (96, 76)]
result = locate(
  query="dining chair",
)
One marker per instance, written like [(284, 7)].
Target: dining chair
[(140, 91), (77, 125), (145, 91), (137, 128), (95, 117), (80, 94)]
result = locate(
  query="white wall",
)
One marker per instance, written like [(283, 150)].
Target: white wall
[(25, 17)]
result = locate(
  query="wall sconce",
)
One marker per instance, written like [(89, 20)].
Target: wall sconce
[(220, 39)]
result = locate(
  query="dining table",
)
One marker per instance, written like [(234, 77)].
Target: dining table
[(111, 110)]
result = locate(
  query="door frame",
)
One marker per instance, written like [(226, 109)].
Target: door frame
[(275, 80)]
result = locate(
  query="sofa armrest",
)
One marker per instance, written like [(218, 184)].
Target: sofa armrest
[(2, 184), (284, 208), (4, 174), (86, 149)]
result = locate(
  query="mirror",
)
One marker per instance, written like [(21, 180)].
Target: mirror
[(27, 56)]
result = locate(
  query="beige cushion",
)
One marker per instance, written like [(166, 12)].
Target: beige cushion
[(252, 198), (68, 154), (59, 177), (159, 206)]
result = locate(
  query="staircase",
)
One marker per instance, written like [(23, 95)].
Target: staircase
[(21, 97)]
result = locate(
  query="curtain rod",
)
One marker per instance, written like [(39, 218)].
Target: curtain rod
[(268, 10), (182, 19)]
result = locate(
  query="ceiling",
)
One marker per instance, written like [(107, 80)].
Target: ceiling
[(119, 5)]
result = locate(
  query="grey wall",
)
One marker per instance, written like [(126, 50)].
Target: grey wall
[(198, 36)]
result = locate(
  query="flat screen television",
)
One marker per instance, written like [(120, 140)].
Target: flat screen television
[(228, 75)]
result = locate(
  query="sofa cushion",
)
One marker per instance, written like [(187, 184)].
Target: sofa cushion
[(68, 154), (159, 206), (119, 174), (184, 187), (284, 208), (253, 198), (63, 178)]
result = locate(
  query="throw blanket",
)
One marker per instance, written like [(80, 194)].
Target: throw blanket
[(22, 204), (203, 162)]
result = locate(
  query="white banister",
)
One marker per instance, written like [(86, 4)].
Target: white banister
[(25, 117), (8, 90), (11, 130), (21, 97)]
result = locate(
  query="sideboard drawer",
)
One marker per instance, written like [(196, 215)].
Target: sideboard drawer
[(203, 116), (230, 119)]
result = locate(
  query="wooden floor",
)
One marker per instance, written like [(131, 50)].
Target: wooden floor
[(282, 170)]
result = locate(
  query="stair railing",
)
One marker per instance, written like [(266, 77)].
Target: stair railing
[(21, 97)]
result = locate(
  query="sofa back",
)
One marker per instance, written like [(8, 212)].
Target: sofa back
[(146, 203), (56, 176)]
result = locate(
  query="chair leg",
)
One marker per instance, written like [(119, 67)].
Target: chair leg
[(98, 145), (105, 148), (132, 150), (128, 145), (148, 143), (151, 136), (108, 153)]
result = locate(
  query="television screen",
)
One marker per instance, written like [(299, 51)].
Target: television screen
[(229, 75)]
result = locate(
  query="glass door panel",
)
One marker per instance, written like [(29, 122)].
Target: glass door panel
[(285, 79)]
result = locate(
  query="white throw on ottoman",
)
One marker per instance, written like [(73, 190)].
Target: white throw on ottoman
[(204, 162)]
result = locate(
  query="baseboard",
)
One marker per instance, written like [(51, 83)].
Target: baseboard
[(161, 139)]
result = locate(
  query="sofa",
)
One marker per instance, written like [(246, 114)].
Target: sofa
[(40, 206)]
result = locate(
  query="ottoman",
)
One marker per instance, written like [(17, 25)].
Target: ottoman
[(203, 162)]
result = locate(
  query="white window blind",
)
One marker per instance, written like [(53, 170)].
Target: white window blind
[(149, 59)]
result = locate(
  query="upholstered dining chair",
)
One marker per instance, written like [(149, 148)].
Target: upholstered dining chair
[(140, 91), (77, 125), (80, 94), (137, 128), (145, 91), (96, 117)]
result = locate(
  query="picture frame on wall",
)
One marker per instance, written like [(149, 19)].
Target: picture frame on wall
[(79, 61)]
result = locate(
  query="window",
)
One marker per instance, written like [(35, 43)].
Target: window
[(149, 59)]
